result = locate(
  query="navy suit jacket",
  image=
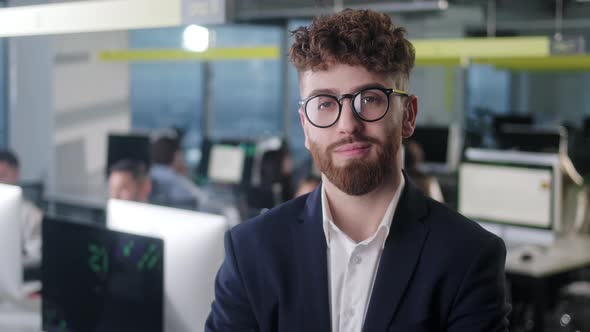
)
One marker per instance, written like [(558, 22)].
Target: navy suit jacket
[(438, 272)]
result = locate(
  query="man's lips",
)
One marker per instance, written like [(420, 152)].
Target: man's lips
[(352, 149)]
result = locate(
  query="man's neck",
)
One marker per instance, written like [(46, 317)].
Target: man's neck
[(360, 216)]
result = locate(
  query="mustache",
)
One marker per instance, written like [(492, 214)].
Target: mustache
[(351, 140)]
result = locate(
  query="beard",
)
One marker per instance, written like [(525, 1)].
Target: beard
[(358, 176)]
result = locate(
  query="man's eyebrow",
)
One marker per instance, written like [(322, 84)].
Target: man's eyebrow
[(335, 93), (368, 86), (355, 90), (321, 92)]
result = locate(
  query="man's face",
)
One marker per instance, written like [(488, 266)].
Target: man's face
[(8, 174), (178, 163), (356, 156), (122, 185)]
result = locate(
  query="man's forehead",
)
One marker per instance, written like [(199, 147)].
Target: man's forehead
[(5, 165), (123, 175), (341, 79)]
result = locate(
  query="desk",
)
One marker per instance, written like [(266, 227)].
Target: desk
[(84, 206), (547, 271), (24, 316)]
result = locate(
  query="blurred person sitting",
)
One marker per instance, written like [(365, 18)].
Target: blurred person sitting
[(170, 186), (32, 216), (307, 185), (413, 158), (277, 169), (129, 180)]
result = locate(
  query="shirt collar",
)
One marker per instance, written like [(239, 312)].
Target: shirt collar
[(328, 221)]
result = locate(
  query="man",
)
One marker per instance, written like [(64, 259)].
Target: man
[(31, 216), (170, 185), (366, 250), (129, 180)]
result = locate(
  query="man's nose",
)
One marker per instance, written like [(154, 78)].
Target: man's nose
[(348, 122)]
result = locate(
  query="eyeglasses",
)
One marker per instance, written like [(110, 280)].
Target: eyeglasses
[(369, 105)]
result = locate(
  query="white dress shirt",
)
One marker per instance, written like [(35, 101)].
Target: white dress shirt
[(31, 218), (352, 267)]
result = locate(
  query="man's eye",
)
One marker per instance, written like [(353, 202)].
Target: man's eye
[(326, 106)]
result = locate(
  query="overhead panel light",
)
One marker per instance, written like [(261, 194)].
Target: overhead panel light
[(195, 38), (388, 7), (105, 15)]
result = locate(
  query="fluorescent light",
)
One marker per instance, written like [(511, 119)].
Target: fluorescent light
[(385, 6), (86, 16), (106, 15), (195, 38)]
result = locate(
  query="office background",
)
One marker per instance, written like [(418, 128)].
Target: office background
[(60, 98), (76, 98)]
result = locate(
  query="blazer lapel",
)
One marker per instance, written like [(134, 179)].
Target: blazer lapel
[(399, 258), (312, 271)]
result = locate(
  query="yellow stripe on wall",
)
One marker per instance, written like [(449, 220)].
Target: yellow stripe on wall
[(482, 47), (513, 53), (238, 53), (546, 63), (450, 61)]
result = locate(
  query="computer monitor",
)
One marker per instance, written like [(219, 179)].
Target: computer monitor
[(227, 161), (95, 279), (441, 146), (194, 253), (128, 146), (586, 129), (532, 139), (501, 120), (81, 211), (515, 195), (11, 275)]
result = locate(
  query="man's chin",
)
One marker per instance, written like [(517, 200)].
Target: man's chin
[(343, 162)]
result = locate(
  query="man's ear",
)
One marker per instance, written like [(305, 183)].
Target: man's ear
[(410, 113), (303, 120)]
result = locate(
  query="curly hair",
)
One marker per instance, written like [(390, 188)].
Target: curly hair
[(353, 37)]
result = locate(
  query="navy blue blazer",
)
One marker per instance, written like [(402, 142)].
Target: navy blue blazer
[(438, 272)]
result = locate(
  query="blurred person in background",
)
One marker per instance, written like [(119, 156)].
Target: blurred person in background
[(307, 185), (32, 216), (129, 180), (277, 169), (170, 185), (413, 158)]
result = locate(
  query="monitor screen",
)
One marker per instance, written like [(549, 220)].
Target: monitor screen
[(501, 120), (194, 253), (10, 238), (95, 279), (131, 146), (586, 129), (434, 142), (227, 161), (516, 195), (226, 164), (80, 211), (529, 139)]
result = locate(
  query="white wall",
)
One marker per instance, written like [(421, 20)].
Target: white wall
[(31, 105), (90, 99), (63, 103)]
